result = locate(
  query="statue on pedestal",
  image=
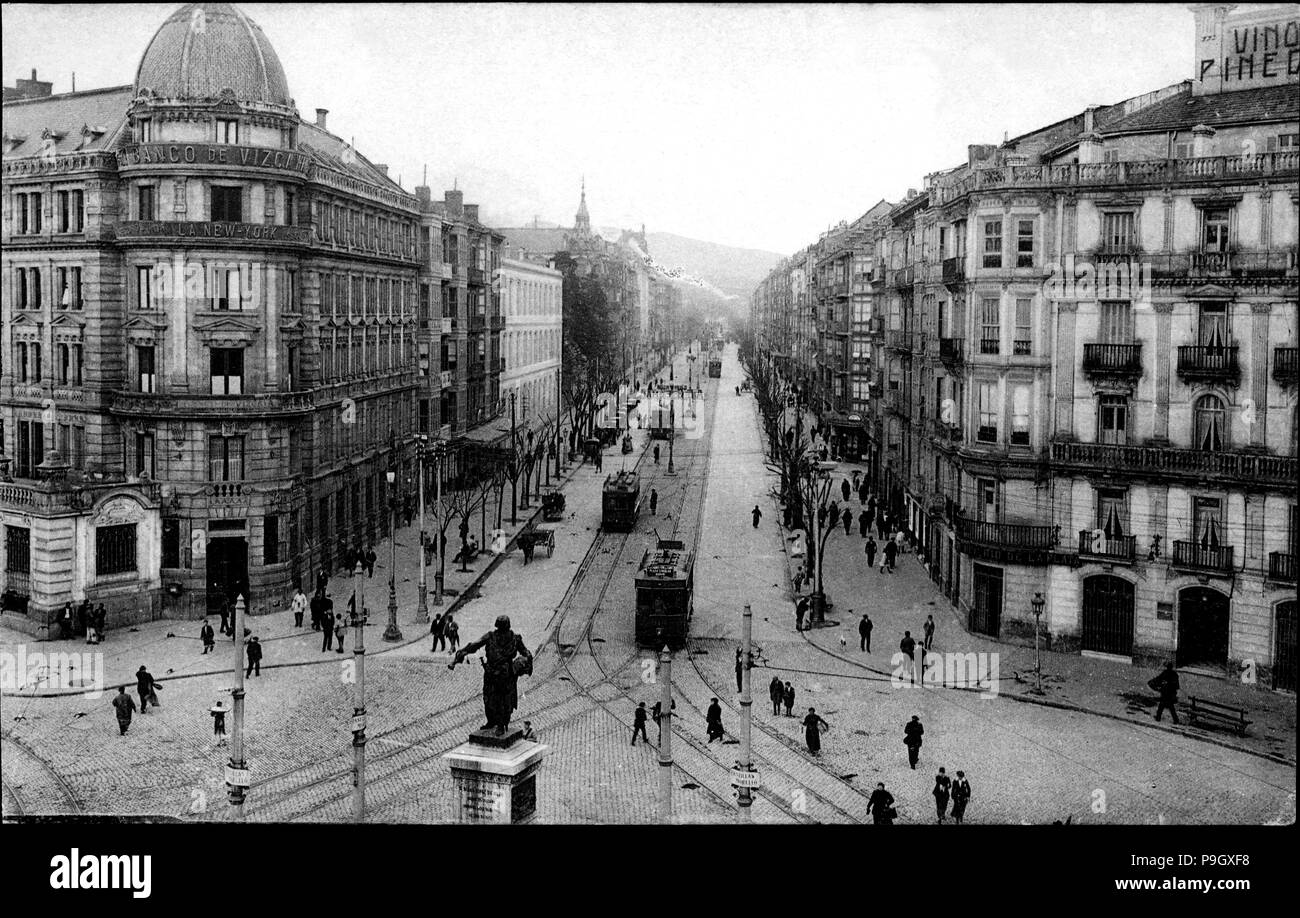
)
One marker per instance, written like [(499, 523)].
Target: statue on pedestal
[(506, 660)]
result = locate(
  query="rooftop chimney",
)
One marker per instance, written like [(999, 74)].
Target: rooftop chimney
[(471, 212), (320, 117), (455, 201), (1089, 119), (382, 167)]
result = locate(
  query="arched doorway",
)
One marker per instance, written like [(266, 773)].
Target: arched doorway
[(1284, 646), (1107, 615), (1202, 627)]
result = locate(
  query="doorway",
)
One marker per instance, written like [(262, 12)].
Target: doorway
[(1202, 628), (227, 572), (1284, 646), (986, 612), (1108, 615)]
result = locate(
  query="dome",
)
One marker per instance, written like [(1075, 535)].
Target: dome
[(204, 48)]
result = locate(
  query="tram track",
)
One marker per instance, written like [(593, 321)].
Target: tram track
[(18, 756)]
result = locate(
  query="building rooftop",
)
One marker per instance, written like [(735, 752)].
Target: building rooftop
[(77, 121)]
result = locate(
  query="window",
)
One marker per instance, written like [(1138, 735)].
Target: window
[(171, 543), (227, 204), (271, 553), (140, 460), (227, 130), (146, 203), (227, 371), (35, 367), (988, 411), (29, 288), (1207, 521), (990, 325), (30, 212), (993, 243), (1214, 223), (1116, 322), (290, 208), (986, 500), (1020, 399), (115, 549), (1023, 344), (76, 365), (65, 363), (1213, 327), (291, 291), (69, 287), (1208, 416), (1112, 512), (143, 287), (1024, 243), (31, 447), (227, 293), (291, 368), (1112, 420), (225, 458), (1118, 233), (1110, 156), (71, 211), (425, 305), (145, 369), (144, 130)]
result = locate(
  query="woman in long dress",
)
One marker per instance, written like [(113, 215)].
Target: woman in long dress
[(812, 726)]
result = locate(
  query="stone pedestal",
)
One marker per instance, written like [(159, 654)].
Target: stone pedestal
[(496, 777)]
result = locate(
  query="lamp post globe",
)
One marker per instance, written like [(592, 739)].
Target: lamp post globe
[(392, 633)]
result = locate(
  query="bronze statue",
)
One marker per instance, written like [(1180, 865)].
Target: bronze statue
[(507, 660)]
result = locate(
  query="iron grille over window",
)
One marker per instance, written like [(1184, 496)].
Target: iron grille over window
[(115, 549)]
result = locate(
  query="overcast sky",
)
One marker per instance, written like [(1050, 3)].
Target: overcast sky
[(749, 126)]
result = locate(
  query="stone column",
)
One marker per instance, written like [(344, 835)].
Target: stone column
[(1066, 312), (1255, 417), (1163, 346)]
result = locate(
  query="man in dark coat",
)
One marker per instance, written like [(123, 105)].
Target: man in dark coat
[(912, 740), (438, 628), (371, 557), (776, 691), (908, 646), (864, 633), (317, 606), (864, 524), (757, 514), (322, 580), (960, 797), (638, 723), (942, 786), (928, 631), (787, 697), (83, 618), (326, 622), (125, 705), (101, 623), (881, 523), (654, 501), (254, 658), (208, 636), (1167, 685), (871, 552), (891, 553), (845, 490), (863, 493), (713, 718), (224, 608), (800, 609), (740, 670), (65, 621), (813, 723), (144, 685), (881, 806), (506, 660), (848, 521)]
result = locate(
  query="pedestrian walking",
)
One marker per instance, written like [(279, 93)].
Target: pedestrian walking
[(527, 547), (713, 718), (881, 807), (864, 633), (254, 658), (900, 542), (65, 621), (452, 631), (654, 495), (656, 714), (638, 723), (218, 712), (439, 632), (871, 552), (101, 623), (881, 526), (599, 460), (798, 580), (834, 513), (787, 698), (208, 636), (371, 557), (848, 521), (813, 726), (871, 518), (340, 631), (757, 514), (908, 646), (322, 579), (144, 685), (317, 606), (800, 608), (845, 490), (942, 790), (656, 454), (863, 492), (298, 606), (912, 733), (740, 669), (83, 619), (125, 705), (960, 797), (224, 609), (776, 691), (1167, 685), (326, 624), (928, 631), (891, 554), (864, 524)]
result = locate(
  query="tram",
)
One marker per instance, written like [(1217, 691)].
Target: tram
[(665, 589), (620, 501), (715, 366), (661, 419)]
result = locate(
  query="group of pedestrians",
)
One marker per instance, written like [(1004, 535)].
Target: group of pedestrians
[(87, 619), (445, 632), (781, 693)]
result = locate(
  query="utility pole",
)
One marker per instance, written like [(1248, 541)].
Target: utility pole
[(745, 797), (359, 700), (422, 602), (559, 396), (237, 771), (666, 735), (438, 452), (514, 449), (672, 430), (392, 633)]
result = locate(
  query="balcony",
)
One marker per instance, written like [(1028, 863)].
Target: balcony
[(893, 400), (478, 369), (898, 339), (50, 498), (444, 379), (990, 346), (496, 323), (1122, 549), (1281, 566), (954, 270), (448, 325), (477, 323), (903, 277), (1284, 365), (1177, 464), (476, 276), (1208, 363), (1008, 543), (259, 405), (876, 326), (1109, 360), (952, 351), (1194, 556)]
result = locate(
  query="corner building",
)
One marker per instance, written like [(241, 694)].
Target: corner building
[(208, 334)]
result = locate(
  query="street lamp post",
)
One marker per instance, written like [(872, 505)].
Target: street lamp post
[(237, 770), (392, 633), (359, 702), (1037, 604), (422, 602), (672, 432), (514, 448), (439, 450)]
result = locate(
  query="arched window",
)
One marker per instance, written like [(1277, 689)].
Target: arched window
[(1209, 419)]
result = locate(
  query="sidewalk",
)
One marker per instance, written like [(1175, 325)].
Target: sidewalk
[(171, 649), (901, 601)]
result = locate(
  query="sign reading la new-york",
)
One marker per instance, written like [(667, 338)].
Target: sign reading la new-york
[(215, 154)]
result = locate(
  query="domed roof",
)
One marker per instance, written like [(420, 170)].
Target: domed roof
[(204, 48)]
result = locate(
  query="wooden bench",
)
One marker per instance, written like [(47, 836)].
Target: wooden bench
[(1220, 714)]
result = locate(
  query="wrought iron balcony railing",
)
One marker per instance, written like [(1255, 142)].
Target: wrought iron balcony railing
[(1112, 359), (1208, 362), (952, 351), (1122, 548), (1285, 365), (1203, 557), (1281, 566)]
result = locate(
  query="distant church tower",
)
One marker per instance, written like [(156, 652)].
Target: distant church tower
[(582, 221)]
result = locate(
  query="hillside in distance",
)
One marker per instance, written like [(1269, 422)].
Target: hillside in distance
[(733, 270)]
